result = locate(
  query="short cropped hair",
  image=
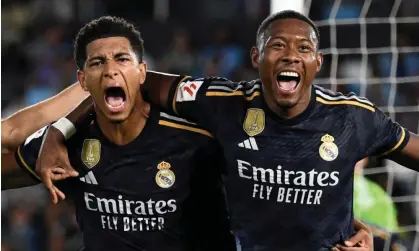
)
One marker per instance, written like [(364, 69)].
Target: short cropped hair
[(103, 27), (286, 14)]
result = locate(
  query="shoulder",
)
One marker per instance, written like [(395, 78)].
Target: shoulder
[(218, 87), (221, 87), (179, 124), (337, 99)]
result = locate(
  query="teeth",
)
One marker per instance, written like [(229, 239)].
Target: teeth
[(289, 74)]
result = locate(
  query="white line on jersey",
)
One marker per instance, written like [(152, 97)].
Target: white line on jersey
[(249, 144), (165, 115), (89, 178), (237, 88), (342, 97)]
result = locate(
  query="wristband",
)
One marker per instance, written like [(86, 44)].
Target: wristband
[(65, 127)]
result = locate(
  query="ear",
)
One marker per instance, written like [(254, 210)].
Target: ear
[(254, 56), (81, 78), (142, 67), (319, 59)]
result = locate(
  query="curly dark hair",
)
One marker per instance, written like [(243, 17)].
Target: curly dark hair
[(104, 27)]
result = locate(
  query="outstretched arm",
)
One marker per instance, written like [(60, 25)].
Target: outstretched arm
[(15, 129)]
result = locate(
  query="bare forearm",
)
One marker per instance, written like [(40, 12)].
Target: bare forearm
[(19, 126)]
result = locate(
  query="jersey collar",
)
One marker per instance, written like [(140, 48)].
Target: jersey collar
[(295, 120)]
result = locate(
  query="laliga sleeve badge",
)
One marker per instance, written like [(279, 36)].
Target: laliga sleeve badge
[(165, 178), (328, 150), (90, 154), (254, 123)]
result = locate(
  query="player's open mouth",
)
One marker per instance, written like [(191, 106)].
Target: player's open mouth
[(115, 98), (288, 81)]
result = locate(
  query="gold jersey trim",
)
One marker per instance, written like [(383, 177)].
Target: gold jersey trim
[(235, 93), (184, 127), (398, 143), (345, 102), (26, 165)]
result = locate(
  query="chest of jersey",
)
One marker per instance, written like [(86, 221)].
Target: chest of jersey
[(136, 192), (315, 146), (125, 170), (289, 175), (146, 165)]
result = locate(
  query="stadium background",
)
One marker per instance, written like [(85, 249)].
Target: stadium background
[(371, 47)]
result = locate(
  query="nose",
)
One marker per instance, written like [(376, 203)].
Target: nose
[(290, 56), (110, 69)]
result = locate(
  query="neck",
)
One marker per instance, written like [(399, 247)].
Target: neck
[(126, 131), (291, 112)]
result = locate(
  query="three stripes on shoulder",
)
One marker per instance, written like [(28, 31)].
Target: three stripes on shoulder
[(180, 123), (226, 88), (331, 98)]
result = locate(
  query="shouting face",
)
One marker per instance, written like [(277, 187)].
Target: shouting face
[(288, 60), (112, 74)]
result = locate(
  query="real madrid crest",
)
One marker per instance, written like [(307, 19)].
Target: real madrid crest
[(254, 123), (90, 153), (328, 150), (165, 178)]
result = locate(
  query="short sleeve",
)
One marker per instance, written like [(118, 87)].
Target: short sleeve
[(27, 155), (196, 98), (378, 134)]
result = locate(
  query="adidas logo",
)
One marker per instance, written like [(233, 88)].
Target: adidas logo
[(89, 178), (249, 144)]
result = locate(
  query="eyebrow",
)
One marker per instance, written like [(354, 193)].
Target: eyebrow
[(117, 55), (120, 54), (301, 39), (96, 58)]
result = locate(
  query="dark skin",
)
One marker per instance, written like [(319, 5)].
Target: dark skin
[(287, 45), (111, 62), (15, 129)]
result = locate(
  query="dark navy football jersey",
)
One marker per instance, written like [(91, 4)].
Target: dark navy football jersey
[(162, 191), (290, 181)]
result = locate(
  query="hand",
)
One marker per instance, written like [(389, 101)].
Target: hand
[(361, 241), (53, 163)]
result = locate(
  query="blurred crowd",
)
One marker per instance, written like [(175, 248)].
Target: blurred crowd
[(201, 38)]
